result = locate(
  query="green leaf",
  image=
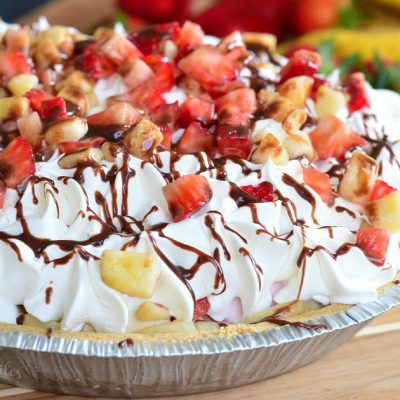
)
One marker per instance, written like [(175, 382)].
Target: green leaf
[(349, 17), (326, 49), (349, 63)]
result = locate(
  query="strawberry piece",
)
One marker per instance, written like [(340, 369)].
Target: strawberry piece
[(95, 65), (163, 79), (119, 113), (332, 138), (195, 109), (2, 193), (234, 141), (145, 96), (17, 162), (36, 97), (197, 138), (201, 308), (191, 36), (235, 108), (149, 39), (302, 62), (53, 109), (357, 90), (264, 191), (319, 181), (374, 242), (70, 147), (186, 195), (166, 114), (380, 189), (167, 137), (13, 63), (119, 49), (208, 66)]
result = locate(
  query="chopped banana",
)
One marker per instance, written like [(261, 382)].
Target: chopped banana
[(13, 107), (270, 148), (142, 139), (359, 178), (329, 101), (135, 274), (299, 145), (297, 90), (385, 212), (20, 84), (68, 130), (148, 311), (295, 120), (82, 156)]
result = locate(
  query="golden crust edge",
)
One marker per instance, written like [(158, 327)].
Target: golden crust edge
[(228, 332)]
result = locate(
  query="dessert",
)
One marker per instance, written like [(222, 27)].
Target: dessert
[(164, 180)]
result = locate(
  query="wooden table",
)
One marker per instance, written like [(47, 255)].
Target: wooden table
[(366, 368)]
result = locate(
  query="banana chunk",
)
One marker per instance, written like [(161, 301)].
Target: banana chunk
[(134, 274)]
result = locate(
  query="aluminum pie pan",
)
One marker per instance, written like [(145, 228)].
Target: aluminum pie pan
[(174, 366)]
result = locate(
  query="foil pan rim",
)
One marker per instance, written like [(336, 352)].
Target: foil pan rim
[(210, 345)]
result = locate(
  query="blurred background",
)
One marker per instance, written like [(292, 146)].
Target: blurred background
[(351, 34)]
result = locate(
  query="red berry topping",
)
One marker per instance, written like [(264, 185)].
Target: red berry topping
[(13, 63), (357, 90), (165, 114), (117, 114), (95, 65), (236, 107), (196, 109), (186, 195), (302, 62), (374, 242), (36, 97), (262, 192), (167, 137), (208, 66), (164, 78), (201, 308), (16, 162), (149, 39), (234, 141), (70, 147), (197, 138), (332, 138), (319, 181), (381, 189), (53, 109), (2, 193)]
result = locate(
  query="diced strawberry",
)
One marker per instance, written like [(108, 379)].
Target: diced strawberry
[(2, 193), (357, 90), (302, 62), (218, 91), (201, 308), (167, 137), (36, 97), (235, 108), (149, 39), (332, 138), (70, 147), (197, 138), (119, 49), (16, 162), (145, 96), (208, 66), (53, 109), (95, 65), (374, 242), (186, 195), (164, 78), (13, 63), (196, 109), (191, 36), (319, 181), (119, 113), (264, 191), (166, 114), (234, 141), (381, 189)]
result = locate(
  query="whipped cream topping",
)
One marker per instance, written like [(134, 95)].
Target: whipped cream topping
[(243, 256)]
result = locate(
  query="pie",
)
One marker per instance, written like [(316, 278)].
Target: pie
[(168, 181)]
